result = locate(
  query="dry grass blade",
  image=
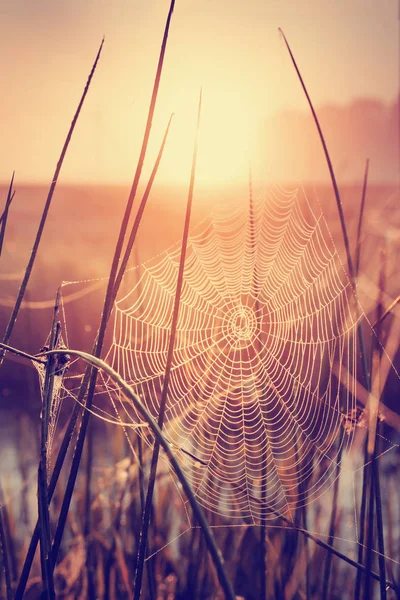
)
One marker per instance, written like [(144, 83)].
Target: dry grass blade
[(90, 378), (22, 354), (329, 163), (123, 568), (263, 543), (43, 498), (43, 219), (387, 312), (332, 525), (340, 210), (139, 167), (360, 219), (91, 375), (164, 394), (5, 547), (68, 435), (4, 216), (374, 464), (156, 431), (110, 297), (165, 444), (140, 212)]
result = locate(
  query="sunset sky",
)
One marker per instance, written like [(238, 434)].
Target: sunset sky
[(346, 49)]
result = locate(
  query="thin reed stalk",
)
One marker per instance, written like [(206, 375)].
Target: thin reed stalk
[(4, 216), (366, 476), (10, 195), (112, 290), (59, 460), (375, 463), (165, 389), (22, 354), (340, 211), (369, 536), (306, 548), (263, 542), (46, 209), (88, 513), (317, 541), (72, 423), (43, 498), (142, 156), (332, 524), (139, 214), (309, 535), (51, 488), (5, 547), (160, 439), (352, 273), (91, 375), (387, 312), (360, 220)]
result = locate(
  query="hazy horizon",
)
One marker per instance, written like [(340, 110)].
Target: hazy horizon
[(373, 134)]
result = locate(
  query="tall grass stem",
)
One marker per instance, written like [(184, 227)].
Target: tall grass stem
[(29, 267), (158, 435), (43, 498), (165, 388), (360, 220), (111, 293), (4, 216)]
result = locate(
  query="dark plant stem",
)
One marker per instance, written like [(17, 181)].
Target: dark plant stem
[(360, 220), (351, 271), (370, 537), (264, 473), (387, 311), (375, 462), (141, 473), (93, 360), (363, 512), (10, 195), (340, 211), (159, 437), (97, 349), (140, 211), (58, 465), (332, 524), (43, 497), (139, 167), (112, 290), (22, 354), (164, 394), (43, 219), (87, 516), (4, 216), (5, 546), (307, 552), (51, 488)]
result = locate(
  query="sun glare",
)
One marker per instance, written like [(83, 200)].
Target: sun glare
[(225, 141)]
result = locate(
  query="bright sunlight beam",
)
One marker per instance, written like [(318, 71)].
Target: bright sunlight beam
[(226, 142)]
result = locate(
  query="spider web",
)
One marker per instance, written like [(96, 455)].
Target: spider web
[(263, 387)]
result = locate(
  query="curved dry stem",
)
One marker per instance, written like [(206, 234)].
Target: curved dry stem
[(197, 510)]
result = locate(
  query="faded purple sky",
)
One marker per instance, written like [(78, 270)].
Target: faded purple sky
[(345, 49)]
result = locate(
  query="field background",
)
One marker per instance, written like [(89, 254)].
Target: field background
[(77, 246)]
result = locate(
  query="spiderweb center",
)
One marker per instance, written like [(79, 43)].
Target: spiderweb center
[(240, 324)]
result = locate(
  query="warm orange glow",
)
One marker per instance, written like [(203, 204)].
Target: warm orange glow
[(232, 49), (226, 140)]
